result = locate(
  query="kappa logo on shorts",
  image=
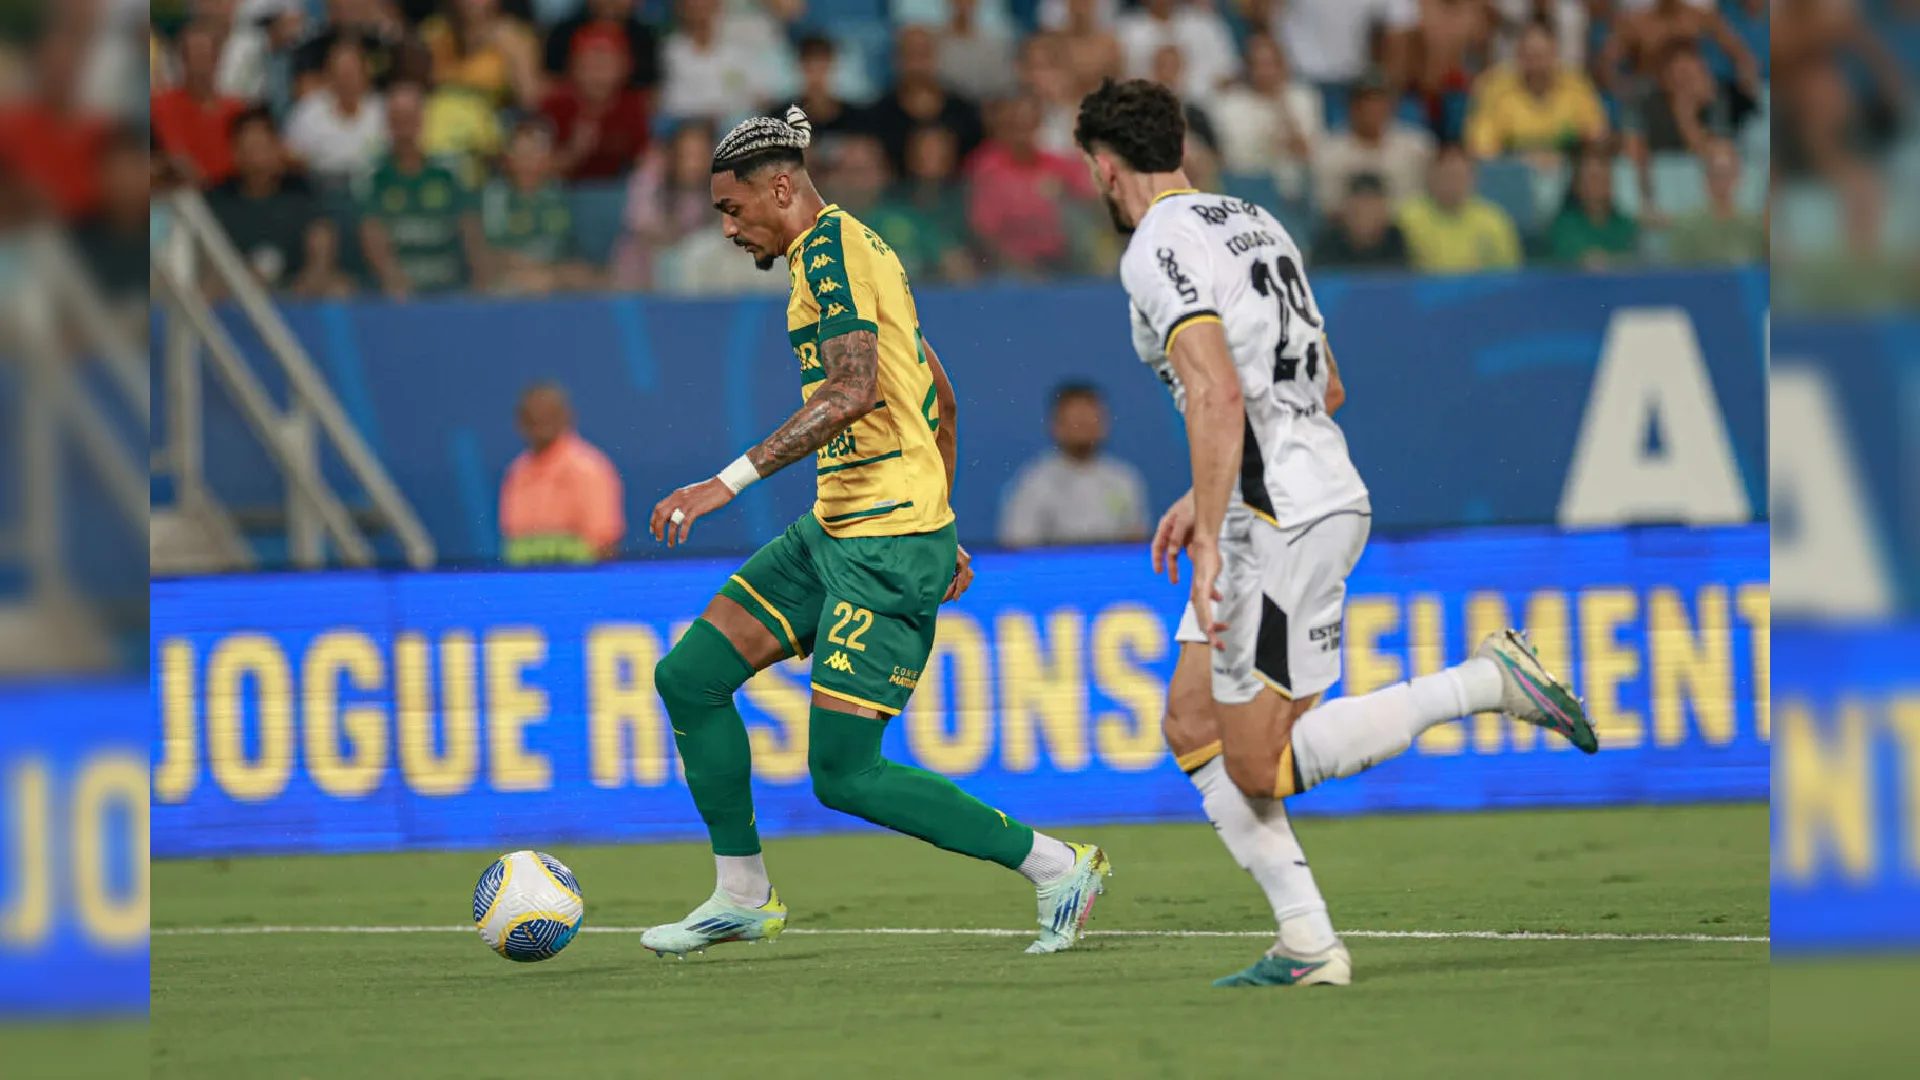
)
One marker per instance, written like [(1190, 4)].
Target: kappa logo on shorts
[(839, 662), (1328, 636)]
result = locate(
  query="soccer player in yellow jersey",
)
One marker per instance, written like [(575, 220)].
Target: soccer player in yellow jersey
[(857, 582)]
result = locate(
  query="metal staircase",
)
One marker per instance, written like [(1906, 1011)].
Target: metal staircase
[(193, 531)]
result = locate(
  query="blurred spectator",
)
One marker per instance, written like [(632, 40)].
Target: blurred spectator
[(832, 116), (275, 219), (858, 178), (1451, 44), (1680, 116), (50, 139), (918, 97), (1720, 233), (191, 120), (1074, 494), (1045, 77), (1090, 50), (418, 228), (1018, 203), (340, 129), (1268, 123), (1646, 38), (528, 222), (561, 500), (377, 27), (1536, 105), (479, 50), (924, 218), (1331, 41), (1077, 14), (1591, 231), (1567, 18), (1195, 29), (1170, 70), (668, 198), (975, 58), (1362, 235), (1450, 230), (1376, 142), (256, 63), (712, 67), (598, 20), (113, 240), (600, 123), (1840, 93)]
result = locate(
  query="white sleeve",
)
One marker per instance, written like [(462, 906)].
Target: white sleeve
[(1023, 513), (1170, 280)]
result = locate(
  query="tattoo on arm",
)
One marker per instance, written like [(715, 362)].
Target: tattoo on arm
[(852, 363)]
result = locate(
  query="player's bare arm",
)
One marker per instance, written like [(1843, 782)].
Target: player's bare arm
[(850, 391), (947, 438), (1216, 425), (1336, 390)]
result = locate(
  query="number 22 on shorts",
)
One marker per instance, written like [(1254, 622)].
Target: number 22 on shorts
[(847, 613)]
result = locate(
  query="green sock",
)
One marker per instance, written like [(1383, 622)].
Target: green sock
[(697, 680), (849, 775)]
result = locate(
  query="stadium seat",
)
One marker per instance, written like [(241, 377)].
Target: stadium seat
[(1626, 186), (1679, 184), (1508, 184), (1807, 220), (597, 224)]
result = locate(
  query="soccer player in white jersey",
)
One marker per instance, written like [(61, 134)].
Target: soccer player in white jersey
[(1275, 521)]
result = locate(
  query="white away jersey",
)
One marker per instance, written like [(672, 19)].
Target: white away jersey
[(1198, 258)]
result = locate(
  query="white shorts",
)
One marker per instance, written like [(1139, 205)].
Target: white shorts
[(1285, 591)]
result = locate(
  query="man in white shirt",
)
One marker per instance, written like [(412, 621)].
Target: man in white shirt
[(716, 69), (1375, 142), (1205, 43), (1075, 494), (340, 130), (1329, 41)]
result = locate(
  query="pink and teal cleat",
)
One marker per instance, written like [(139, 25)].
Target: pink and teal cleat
[(1328, 967), (1531, 693)]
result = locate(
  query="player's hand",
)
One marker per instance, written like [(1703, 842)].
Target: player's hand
[(692, 502), (1205, 553), (962, 577), (1172, 537)]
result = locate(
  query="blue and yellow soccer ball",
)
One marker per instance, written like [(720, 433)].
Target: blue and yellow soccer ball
[(527, 906)]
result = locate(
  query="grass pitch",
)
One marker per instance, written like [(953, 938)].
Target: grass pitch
[(1605, 1000)]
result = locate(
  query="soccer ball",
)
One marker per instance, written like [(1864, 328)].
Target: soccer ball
[(527, 906)]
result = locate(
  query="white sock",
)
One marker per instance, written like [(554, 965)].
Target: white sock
[(744, 879), (1347, 735), (1261, 840), (1050, 859)]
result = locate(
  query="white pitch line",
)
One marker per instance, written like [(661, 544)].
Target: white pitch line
[(1424, 935)]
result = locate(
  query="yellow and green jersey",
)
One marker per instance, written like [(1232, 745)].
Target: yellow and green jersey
[(883, 476)]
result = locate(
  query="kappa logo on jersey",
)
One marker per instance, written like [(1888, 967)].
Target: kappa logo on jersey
[(1218, 213), (1328, 636), (828, 285), (821, 239), (820, 260), (832, 310), (839, 662), (1171, 267)]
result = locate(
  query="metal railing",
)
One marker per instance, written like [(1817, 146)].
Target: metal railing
[(319, 522)]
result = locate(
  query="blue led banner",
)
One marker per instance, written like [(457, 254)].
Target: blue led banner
[(364, 711), (1846, 775), (73, 850)]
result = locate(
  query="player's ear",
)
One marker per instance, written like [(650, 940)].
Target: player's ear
[(782, 185)]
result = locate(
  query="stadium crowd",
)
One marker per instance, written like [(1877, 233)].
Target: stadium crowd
[(527, 146)]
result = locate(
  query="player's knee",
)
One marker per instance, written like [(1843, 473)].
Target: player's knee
[(1253, 771), (683, 679), (839, 785), (1189, 722)]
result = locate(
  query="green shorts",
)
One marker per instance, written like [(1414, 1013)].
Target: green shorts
[(871, 600)]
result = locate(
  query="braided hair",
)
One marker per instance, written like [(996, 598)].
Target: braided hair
[(764, 140)]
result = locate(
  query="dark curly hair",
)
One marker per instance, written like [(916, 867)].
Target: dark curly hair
[(1139, 120)]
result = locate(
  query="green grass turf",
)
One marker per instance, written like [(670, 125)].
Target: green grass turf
[(74, 1050), (432, 1005)]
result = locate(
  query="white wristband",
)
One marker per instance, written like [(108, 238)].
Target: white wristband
[(739, 474)]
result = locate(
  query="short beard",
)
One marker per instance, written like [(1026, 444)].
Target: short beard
[(1119, 221), (764, 262)]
